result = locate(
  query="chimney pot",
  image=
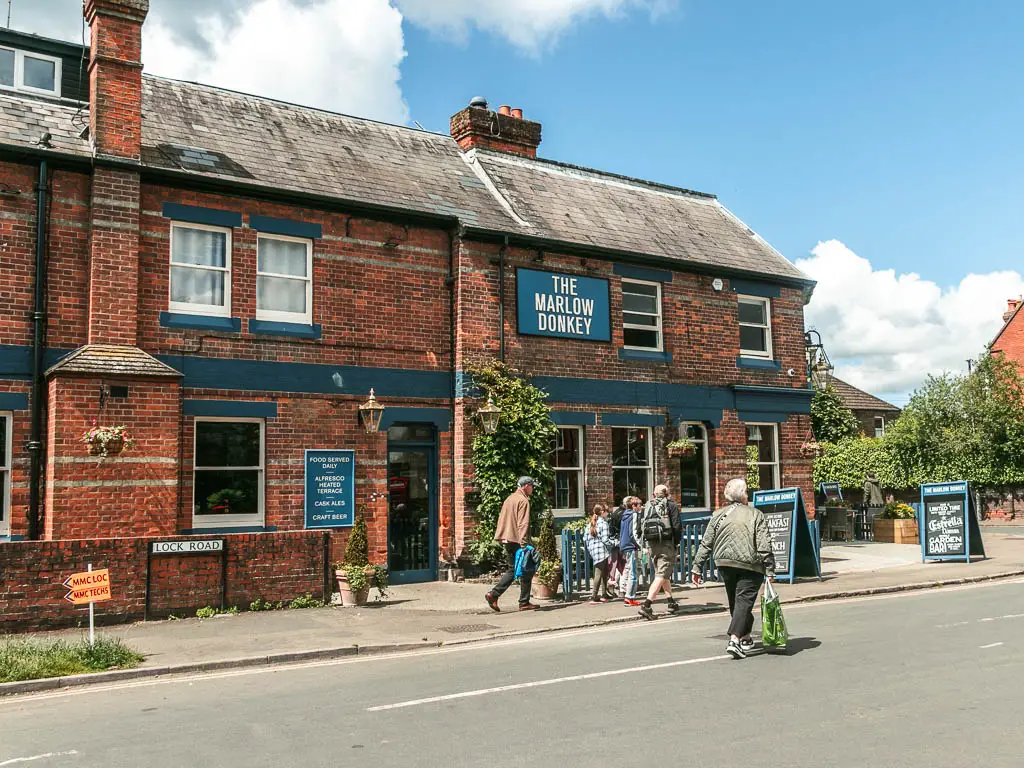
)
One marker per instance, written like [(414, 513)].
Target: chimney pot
[(505, 109), (502, 131), (517, 113)]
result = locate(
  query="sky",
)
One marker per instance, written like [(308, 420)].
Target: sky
[(875, 144)]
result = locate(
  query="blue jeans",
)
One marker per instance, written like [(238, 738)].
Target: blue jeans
[(627, 579)]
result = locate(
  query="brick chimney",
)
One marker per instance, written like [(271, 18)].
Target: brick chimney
[(477, 127), (115, 75), (115, 113), (1011, 307)]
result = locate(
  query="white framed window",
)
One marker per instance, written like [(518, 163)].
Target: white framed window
[(641, 315), (694, 491), (879, 426), (763, 442), (200, 281), (6, 428), (755, 316), (228, 476), (631, 462), (566, 498), (284, 279), (29, 71)]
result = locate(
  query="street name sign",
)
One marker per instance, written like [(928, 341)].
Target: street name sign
[(949, 522), (187, 547), (796, 551), (88, 587)]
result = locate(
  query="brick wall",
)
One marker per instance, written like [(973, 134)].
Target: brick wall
[(269, 566)]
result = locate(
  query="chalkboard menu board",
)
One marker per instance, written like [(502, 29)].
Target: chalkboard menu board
[(796, 552), (949, 523)]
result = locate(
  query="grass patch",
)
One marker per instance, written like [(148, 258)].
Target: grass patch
[(32, 659)]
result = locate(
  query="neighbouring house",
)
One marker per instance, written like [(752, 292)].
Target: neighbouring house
[(1010, 339), (229, 276), (872, 412)]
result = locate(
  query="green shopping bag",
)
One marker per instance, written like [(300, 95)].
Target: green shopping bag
[(773, 626)]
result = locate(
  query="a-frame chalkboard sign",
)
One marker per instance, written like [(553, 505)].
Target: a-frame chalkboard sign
[(949, 522), (796, 551)]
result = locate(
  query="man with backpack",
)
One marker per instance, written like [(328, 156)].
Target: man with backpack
[(659, 529)]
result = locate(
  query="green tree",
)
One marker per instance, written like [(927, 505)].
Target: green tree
[(831, 421), (520, 446)]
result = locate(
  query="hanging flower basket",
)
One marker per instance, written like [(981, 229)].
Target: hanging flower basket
[(107, 441), (682, 447), (810, 449)]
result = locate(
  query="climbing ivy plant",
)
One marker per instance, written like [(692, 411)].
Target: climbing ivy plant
[(831, 421), (520, 446)]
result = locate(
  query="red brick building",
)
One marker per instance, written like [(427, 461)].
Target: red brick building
[(873, 413), (228, 276), (1010, 339)]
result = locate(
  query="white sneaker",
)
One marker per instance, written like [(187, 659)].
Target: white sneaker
[(735, 650), (747, 644)]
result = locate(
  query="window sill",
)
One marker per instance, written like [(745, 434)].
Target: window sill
[(276, 328), (762, 363), (206, 531), (651, 356), (200, 322)]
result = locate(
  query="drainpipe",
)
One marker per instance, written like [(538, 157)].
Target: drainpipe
[(453, 234), (501, 301), (35, 441)]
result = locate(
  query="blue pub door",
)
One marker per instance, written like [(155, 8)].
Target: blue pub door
[(412, 503)]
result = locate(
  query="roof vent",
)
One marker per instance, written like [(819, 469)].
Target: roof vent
[(478, 102)]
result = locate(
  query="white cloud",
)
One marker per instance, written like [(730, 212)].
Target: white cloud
[(342, 55), (886, 332), (529, 24)]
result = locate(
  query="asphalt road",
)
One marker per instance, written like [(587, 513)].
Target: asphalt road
[(919, 679)]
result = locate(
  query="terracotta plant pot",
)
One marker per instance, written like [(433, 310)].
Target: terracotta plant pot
[(543, 591), (349, 598), (896, 531)]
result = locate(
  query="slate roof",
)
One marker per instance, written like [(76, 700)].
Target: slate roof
[(859, 400), (112, 360), (215, 133)]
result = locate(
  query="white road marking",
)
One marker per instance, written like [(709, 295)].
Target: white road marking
[(990, 645), (16, 760), (979, 621), (540, 683)]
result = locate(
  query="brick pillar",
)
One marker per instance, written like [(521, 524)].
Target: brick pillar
[(115, 81)]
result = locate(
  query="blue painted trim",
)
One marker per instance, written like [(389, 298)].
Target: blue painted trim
[(16, 361), (15, 537), (200, 322), (229, 529), (288, 227), (755, 288), (712, 416), (636, 354), (237, 408), (764, 417), (439, 417), (757, 362), (309, 378), (632, 420), (13, 401), (642, 273), (273, 328), (574, 418), (195, 214), (775, 399)]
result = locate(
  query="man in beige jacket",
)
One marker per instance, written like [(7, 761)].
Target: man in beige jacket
[(513, 532)]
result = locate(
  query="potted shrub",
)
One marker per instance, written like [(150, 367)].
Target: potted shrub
[(107, 441), (681, 447), (355, 575), (549, 575), (897, 524)]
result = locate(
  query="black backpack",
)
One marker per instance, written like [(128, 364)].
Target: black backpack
[(657, 523)]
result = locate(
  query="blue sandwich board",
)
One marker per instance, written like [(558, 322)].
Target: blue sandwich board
[(831, 491), (330, 489), (796, 552), (948, 522)]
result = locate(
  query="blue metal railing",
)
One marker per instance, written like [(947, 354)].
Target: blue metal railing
[(578, 569)]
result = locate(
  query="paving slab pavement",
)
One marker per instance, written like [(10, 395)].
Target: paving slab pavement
[(439, 613)]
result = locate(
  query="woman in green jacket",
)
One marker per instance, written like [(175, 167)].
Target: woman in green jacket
[(737, 535)]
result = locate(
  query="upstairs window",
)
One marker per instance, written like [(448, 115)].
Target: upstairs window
[(200, 270), (641, 315), (755, 315), (879, 426), (284, 279), (29, 71)]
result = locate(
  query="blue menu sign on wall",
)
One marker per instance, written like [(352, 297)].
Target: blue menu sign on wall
[(567, 306), (330, 488)]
